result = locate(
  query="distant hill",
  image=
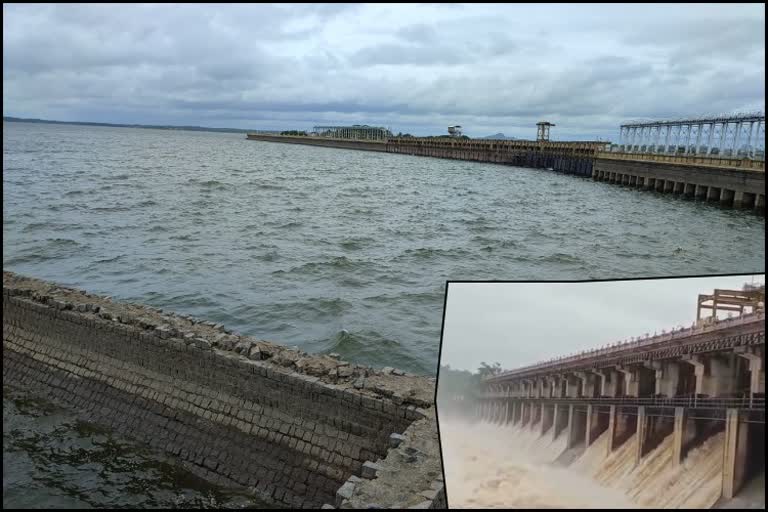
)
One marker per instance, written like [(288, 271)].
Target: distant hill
[(116, 125), (499, 136)]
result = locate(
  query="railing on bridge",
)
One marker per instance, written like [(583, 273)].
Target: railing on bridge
[(694, 402), (618, 348), (704, 161), (264, 132)]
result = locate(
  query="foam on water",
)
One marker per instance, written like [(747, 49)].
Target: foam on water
[(503, 466)]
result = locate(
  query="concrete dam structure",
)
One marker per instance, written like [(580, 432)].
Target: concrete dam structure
[(731, 182), (297, 430), (682, 411)]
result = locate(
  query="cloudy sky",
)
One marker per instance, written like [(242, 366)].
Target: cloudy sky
[(417, 68), (522, 323)]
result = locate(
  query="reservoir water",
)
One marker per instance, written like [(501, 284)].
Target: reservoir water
[(329, 250)]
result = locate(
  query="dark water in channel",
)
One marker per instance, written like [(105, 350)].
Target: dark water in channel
[(51, 460), (330, 250)]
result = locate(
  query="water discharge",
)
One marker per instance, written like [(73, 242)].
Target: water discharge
[(491, 466)]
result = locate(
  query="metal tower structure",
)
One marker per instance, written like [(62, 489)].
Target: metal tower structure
[(542, 131), (729, 136)]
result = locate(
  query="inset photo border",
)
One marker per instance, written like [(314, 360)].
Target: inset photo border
[(627, 393)]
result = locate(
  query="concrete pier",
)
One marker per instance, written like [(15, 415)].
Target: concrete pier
[(726, 181), (731, 183)]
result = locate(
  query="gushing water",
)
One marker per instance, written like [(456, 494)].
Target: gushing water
[(495, 466), (488, 466)]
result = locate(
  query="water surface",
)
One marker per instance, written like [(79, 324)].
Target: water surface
[(331, 250), (52, 460)]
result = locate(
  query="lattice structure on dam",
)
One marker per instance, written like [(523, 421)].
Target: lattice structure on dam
[(690, 383), (354, 132), (732, 136)]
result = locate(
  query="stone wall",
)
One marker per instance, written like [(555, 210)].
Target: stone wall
[(321, 141), (291, 427)]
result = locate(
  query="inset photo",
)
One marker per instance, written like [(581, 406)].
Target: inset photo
[(604, 394)]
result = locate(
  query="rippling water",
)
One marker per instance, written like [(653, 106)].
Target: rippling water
[(331, 250), (50, 460)]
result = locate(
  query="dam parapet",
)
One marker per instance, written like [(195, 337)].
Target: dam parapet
[(730, 182), (290, 427)]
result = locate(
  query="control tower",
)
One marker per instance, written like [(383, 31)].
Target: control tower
[(542, 131)]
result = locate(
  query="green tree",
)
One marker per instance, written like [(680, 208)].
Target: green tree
[(488, 370)]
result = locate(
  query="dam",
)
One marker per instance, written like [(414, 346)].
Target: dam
[(720, 175), (296, 430), (676, 419)]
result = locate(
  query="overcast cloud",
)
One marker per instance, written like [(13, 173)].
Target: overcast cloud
[(517, 324), (417, 68)]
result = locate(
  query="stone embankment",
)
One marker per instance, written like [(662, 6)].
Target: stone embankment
[(298, 430)]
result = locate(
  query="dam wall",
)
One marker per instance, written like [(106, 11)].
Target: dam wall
[(295, 429), (364, 145), (568, 157), (729, 182), (728, 186)]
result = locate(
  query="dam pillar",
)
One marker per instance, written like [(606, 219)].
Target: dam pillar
[(588, 386), (631, 385), (596, 423), (552, 387), (608, 382), (679, 435), (735, 453), (611, 428), (679, 188), (560, 421), (689, 190), (667, 377), (726, 197), (546, 418), (624, 426), (755, 357), (738, 199), (572, 385), (715, 374), (526, 414), (642, 425), (535, 414), (575, 427)]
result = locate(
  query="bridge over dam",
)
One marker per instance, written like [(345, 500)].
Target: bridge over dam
[(730, 182), (296, 430), (658, 397)]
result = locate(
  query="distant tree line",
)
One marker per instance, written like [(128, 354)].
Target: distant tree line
[(464, 382), (294, 132)]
